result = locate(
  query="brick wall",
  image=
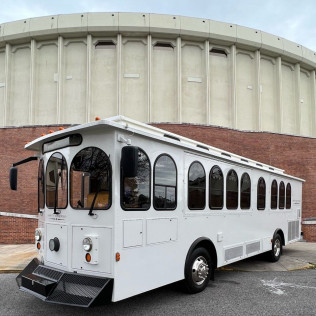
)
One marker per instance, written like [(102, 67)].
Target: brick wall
[(296, 155), (309, 231)]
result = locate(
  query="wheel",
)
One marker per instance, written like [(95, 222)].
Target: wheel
[(197, 271), (276, 250)]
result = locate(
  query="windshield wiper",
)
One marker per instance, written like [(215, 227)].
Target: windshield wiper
[(56, 193), (95, 197)]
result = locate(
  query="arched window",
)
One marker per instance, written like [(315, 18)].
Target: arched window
[(288, 196), (136, 190), (261, 194), (196, 187), (90, 180), (165, 183), (281, 195), (245, 191), (56, 181), (216, 200), (274, 195), (232, 190)]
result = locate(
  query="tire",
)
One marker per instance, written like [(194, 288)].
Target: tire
[(276, 250), (197, 271)]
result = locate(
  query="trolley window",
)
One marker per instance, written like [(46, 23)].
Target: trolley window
[(56, 181), (274, 195), (245, 191), (165, 183), (216, 199), (232, 190), (197, 186), (281, 195), (261, 194), (90, 180), (136, 190), (288, 196)]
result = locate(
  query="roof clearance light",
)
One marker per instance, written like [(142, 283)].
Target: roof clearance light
[(87, 244), (60, 128), (51, 131)]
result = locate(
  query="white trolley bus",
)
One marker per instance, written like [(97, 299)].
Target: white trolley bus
[(125, 207)]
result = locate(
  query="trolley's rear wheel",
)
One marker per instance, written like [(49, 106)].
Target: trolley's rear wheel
[(197, 270)]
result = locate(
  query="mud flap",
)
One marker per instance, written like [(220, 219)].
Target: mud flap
[(59, 287)]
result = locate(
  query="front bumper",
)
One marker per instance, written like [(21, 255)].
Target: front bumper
[(56, 286)]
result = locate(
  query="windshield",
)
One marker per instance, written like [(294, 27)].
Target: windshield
[(56, 181), (90, 179)]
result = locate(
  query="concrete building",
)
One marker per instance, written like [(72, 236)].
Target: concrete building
[(236, 88)]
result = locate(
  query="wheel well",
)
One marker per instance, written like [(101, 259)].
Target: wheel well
[(208, 245), (280, 232)]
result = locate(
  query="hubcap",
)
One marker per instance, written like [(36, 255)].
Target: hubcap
[(199, 270), (277, 247)]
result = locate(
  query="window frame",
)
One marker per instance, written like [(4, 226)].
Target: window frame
[(282, 183), (210, 189), (226, 190), (240, 193), (41, 165), (188, 186), (265, 195), (67, 181), (154, 184), (110, 183), (122, 188), (286, 196), (277, 195)]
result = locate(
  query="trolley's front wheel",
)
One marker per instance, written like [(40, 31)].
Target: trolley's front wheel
[(276, 250), (197, 270)]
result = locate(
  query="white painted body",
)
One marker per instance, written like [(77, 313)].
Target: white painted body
[(153, 245)]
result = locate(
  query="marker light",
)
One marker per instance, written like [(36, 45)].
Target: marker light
[(38, 246), (87, 244), (88, 257), (97, 118), (117, 256), (38, 235)]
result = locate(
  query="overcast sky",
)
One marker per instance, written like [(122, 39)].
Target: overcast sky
[(290, 19)]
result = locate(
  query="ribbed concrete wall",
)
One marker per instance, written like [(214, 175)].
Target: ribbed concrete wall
[(154, 68)]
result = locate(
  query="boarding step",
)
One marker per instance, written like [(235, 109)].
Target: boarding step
[(61, 287), (37, 284)]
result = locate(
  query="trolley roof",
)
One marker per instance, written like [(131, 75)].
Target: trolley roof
[(130, 125)]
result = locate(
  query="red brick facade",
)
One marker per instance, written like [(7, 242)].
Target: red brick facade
[(296, 155)]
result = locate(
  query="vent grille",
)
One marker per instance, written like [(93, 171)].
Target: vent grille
[(233, 253), (293, 230), (253, 247)]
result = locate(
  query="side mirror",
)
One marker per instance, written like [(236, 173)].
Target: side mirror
[(129, 161), (13, 178)]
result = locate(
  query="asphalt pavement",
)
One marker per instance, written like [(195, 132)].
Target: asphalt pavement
[(296, 256)]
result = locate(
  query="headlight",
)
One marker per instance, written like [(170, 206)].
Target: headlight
[(38, 235), (87, 244)]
